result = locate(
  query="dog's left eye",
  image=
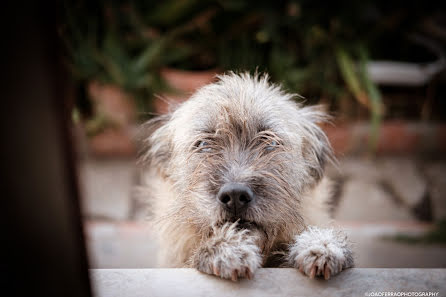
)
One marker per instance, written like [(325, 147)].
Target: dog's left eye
[(203, 146), (271, 145)]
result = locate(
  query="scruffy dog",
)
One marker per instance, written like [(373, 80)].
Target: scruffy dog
[(235, 176)]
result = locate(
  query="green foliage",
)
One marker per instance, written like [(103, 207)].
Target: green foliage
[(100, 47), (363, 89), (436, 236), (315, 48)]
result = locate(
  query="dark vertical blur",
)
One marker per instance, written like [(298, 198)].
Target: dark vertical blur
[(43, 250)]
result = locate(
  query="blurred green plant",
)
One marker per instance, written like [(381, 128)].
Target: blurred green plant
[(112, 43), (435, 236), (364, 90), (316, 48)]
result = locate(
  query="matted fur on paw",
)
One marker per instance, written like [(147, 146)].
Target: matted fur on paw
[(230, 253), (320, 252)]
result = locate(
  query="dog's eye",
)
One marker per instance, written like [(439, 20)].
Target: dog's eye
[(271, 145), (203, 146)]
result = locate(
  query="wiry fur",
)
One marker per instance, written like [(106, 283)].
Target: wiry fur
[(256, 135)]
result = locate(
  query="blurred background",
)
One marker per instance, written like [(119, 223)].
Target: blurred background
[(377, 66)]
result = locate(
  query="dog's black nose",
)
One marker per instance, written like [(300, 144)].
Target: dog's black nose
[(235, 197)]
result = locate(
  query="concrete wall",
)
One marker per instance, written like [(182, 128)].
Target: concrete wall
[(267, 282)]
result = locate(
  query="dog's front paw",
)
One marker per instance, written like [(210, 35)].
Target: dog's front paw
[(230, 254), (320, 252)]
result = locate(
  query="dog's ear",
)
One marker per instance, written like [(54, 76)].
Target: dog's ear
[(154, 142), (316, 148)]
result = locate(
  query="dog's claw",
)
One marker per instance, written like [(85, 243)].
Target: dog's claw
[(216, 271), (326, 272), (313, 271), (234, 275), (248, 273)]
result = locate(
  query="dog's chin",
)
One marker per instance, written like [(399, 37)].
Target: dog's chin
[(242, 223), (243, 220)]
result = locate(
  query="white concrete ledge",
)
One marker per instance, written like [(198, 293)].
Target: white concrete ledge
[(266, 282)]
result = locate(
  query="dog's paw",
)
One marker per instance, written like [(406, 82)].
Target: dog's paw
[(230, 254), (320, 252)]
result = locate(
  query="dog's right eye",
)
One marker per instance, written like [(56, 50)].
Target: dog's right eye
[(203, 146)]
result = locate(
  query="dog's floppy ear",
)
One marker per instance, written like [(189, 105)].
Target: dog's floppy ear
[(154, 142), (316, 148)]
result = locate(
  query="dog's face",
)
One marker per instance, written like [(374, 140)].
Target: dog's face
[(239, 149)]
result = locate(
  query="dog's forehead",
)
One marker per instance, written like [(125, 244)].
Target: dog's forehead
[(233, 113), (238, 109), (235, 102)]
